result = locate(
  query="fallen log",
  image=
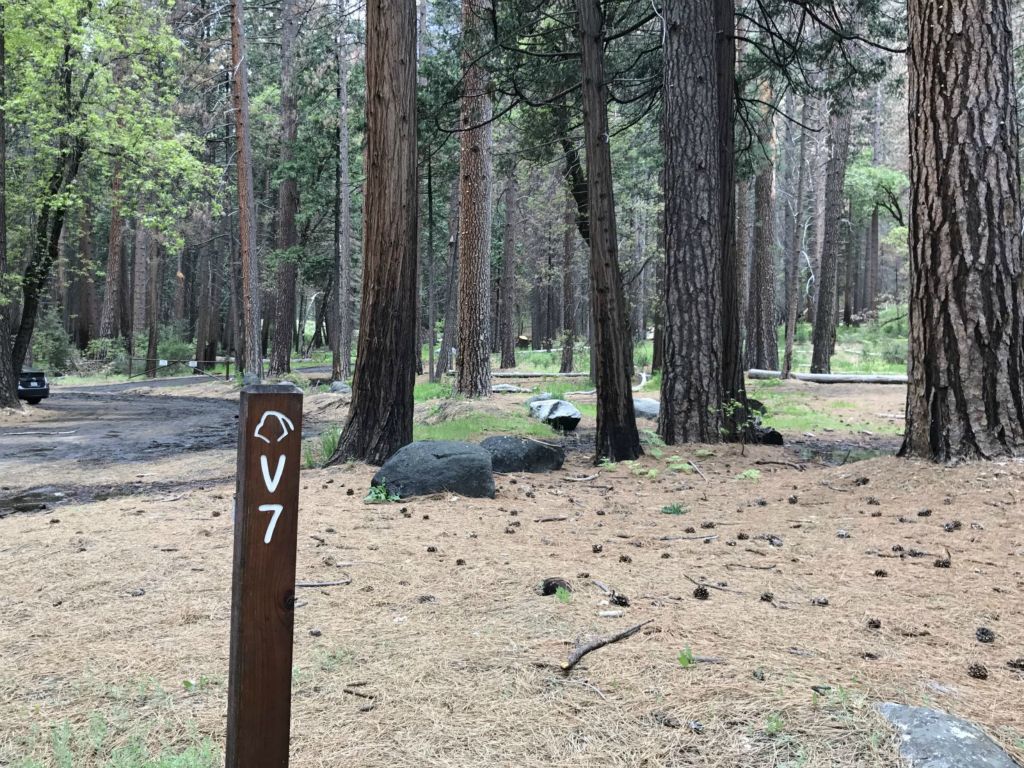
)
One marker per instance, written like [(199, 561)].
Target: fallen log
[(832, 378)]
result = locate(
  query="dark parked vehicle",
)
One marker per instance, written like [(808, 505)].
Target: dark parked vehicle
[(33, 386)]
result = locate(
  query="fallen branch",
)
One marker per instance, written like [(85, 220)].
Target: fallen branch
[(551, 519), (751, 567), (832, 378), (687, 538), (797, 467), (693, 464), (582, 479), (315, 584), (578, 652), (713, 586)]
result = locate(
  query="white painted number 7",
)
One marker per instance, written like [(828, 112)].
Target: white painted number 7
[(277, 509)]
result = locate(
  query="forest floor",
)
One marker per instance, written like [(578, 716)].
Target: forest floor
[(114, 615)]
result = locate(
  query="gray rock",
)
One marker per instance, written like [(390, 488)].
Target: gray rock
[(431, 466), (500, 389), (538, 398), (516, 454), (935, 739), (341, 388), (646, 407), (560, 414)]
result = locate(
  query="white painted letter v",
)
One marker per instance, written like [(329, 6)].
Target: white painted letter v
[(271, 482)]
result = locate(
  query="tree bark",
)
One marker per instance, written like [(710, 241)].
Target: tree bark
[(568, 294), (140, 278), (451, 309), (762, 343), (252, 360), (341, 337), (288, 200), (473, 349), (506, 293), (110, 317), (691, 380), (796, 248), (152, 255), (380, 417), (832, 240), (617, 437), (964, 397)]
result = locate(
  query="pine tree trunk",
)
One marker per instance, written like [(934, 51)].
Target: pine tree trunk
[(473, 349), (691, 379), (288, 201), (110, 318), (506, 293), (451, 309), (744, 251), (568, 295), (831, 241), (964, 397), (796, 248), (617, 437), (380, 417), (252, 361), (762, 343), (204, 301), (140, 281), (871, 283), (341, 304), (152, 255)]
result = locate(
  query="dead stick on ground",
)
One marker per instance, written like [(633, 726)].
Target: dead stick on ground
[(751, 567), (713, 586), (323, 583), (577, 653), (694, 465), (797, 467), (686, 538), (550, 519), (581, 479)]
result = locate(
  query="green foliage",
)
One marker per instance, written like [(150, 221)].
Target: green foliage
[(317, 452), (686, 658), (674, 508), (774, 725), (379, 494), (564, 595), (477, 425), (51, 347), (749, 474), (869, 185), (432, 390)]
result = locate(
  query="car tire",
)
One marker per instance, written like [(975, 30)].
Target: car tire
[(33, 400)]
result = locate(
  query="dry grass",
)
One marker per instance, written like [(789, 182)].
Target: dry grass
[(470, 677)]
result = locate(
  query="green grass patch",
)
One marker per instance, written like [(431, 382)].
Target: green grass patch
[(479, 425), (432, 390)]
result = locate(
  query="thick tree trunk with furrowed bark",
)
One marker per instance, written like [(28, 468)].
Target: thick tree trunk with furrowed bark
[(506, 294), (473, 348), (288, 200), (964, 397), (831, 240), (568, 294), (617, 437), (762, 343), (380, 417), (691, 383), (795, 249)]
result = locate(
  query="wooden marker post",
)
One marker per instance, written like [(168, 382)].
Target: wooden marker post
[(263, 583)]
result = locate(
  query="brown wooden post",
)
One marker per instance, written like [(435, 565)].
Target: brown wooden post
[(263, 585)]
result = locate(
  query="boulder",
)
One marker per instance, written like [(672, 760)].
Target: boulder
[(340, 388), (646, 407), (560, 414), (931, 738), (517, 454), (432, 466)]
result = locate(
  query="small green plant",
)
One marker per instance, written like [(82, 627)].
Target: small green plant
[(379, 494), (199, 684), (749, 474), (679, 464), (606, 463), (774, 725), (703, 453), (674, 509), (686, 658), (564, 595)]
